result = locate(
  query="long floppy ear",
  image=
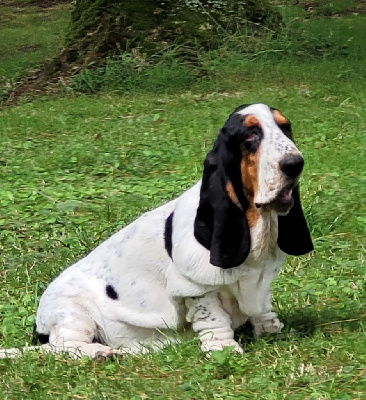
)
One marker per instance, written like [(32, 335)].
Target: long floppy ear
[(293, 232), (220, 224)]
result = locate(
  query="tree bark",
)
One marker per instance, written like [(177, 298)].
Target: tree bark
[(101, 28), (106, 28)]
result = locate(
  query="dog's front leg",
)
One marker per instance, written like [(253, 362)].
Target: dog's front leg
[(254, 297), (211, 322), (266, 321)]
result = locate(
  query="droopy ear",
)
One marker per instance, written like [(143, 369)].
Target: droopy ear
[(221, 225), (293, 233)]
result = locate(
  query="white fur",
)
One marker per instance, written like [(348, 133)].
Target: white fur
[(159, 297)]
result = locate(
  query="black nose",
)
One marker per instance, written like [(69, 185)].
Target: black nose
[(292, 165)]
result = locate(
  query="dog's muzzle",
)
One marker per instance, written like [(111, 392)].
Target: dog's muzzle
[(291, 165)]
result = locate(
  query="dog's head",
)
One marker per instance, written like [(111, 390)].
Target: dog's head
[(253, 169)]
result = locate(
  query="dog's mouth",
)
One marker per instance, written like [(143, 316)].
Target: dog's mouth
[(282, 203), (285, 196)]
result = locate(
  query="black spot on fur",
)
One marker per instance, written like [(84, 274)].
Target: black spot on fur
[(168, 234), (111, 293), (39, 338)]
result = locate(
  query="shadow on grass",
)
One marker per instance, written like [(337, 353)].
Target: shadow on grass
[(305, 322)]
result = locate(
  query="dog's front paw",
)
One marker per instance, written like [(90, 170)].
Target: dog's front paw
[(267, 324), (218, 345)]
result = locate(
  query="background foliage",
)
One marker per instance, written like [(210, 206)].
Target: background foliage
[(77, 167)]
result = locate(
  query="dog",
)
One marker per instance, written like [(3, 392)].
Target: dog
[(203, 262)]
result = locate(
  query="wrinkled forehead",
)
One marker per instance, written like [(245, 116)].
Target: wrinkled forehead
[(267, 117)]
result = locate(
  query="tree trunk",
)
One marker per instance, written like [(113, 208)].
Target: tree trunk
[(102, 28)]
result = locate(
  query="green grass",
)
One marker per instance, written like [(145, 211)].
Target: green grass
[(75, 169), (28, 35)]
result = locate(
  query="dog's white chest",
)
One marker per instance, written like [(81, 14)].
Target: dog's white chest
[(264, 238)]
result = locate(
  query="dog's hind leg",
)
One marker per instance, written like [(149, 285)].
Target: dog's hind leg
[(77, 340), (74, 349)]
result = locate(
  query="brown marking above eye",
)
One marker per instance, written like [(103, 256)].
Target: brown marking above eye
[(250, 120), (279, 118)]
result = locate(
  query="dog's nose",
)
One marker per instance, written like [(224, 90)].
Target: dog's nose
[(292, 165)]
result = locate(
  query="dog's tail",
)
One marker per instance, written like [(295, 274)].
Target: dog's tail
[(19, 352), (39, 341)]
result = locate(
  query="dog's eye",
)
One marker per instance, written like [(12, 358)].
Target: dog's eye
[(251, 137)]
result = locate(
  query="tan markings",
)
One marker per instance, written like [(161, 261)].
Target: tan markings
[(252, 215), (231, 192), (251, 120), (249, 177), (279, 118)]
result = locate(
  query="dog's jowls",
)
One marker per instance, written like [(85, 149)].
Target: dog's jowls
[(203, 262)]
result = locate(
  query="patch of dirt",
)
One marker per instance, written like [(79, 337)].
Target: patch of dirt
[(27, 47), (33, 3), (34, 85), (50, 78), (312, 6)]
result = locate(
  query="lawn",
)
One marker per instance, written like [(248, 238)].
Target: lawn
[(75, 168), (28, 36)]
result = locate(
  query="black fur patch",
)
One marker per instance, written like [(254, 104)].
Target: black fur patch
[(39, 338), (111, 293), (168, 234)]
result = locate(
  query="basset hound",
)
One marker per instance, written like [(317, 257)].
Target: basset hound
[(203, 262)]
